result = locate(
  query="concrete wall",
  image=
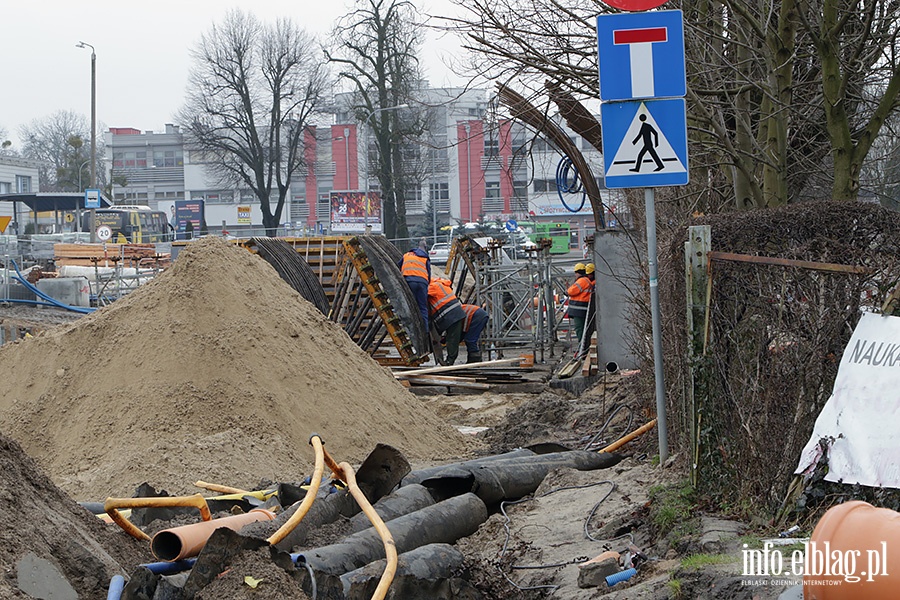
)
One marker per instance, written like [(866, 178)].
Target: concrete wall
[(617, 278)]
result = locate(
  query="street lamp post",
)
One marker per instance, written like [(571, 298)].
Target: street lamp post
[(366, 153), (93, 131)]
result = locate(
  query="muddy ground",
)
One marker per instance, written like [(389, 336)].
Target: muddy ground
[(531, 548)]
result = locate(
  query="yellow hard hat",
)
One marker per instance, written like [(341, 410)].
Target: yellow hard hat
[(589, 268), (578, 267)]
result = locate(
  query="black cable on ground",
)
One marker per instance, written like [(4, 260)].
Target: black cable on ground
[(615, 410), (503, 506)]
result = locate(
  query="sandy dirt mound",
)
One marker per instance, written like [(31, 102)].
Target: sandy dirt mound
[(40, 519), (216, 370)]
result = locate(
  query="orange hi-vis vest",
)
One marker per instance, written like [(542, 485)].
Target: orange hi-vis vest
[(579, 297), (440, 294), (414, 266), (470, 310)]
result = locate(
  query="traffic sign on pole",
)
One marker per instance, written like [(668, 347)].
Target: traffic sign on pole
[(645, 143), (634, 5), (641, 55)]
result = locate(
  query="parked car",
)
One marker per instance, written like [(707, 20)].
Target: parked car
[(439, 253)]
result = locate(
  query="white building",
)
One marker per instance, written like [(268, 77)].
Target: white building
[(470, 166)]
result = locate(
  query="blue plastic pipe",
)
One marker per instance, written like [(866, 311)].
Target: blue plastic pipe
[(32, 288), (170, 568), (620, 577), (116, 586)]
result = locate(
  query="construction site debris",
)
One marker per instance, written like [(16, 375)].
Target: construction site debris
[(216, 369)]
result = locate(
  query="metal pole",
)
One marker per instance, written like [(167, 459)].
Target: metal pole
[(650, 209), (93, 132)]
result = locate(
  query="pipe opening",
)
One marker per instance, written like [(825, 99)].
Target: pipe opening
[(612, 367), (166, 545)]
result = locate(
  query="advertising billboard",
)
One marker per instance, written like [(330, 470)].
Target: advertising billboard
[(188, 211), (351, 212)]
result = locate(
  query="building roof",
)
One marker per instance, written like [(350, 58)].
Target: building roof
[(45, 201)]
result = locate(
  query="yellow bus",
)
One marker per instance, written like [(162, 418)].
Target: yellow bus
[(131, 224)]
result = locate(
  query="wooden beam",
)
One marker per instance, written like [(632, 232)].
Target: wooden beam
[(444, 369), (787, 262)]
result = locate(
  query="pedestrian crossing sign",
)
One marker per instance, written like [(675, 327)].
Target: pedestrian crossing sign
[(645, 143)]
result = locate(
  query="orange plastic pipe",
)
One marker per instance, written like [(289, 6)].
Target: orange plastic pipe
[(188, 540), (112, 506), (624, 440), (316, 442), (854, 553), (390, 548)]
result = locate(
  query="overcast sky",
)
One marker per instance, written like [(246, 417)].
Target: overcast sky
[(142, 54)]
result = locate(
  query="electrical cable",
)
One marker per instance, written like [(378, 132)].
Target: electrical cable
[(563, 185), (506, 523), (615, 411)]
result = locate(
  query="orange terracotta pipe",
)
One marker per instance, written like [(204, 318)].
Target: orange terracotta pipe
[(112, 506), (188, 540), (854, 553)]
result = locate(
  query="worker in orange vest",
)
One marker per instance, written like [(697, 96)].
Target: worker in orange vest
[(415, 266), (447, 315), (476, 320), (580, 296)]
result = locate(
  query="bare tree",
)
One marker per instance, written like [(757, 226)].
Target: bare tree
[(254, 90), (58, 141), (6, 146), (375, 48), (785, 96)]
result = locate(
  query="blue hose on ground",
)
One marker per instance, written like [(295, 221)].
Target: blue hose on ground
[(170, 568), (21, 301), (116, 586), (33, 288), (620, 577)]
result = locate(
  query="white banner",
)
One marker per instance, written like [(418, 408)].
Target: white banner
[(861, 420)]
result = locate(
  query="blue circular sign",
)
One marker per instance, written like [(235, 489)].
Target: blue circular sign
[(511, 225)]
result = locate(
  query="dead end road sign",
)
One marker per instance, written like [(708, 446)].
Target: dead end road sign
[(641, 55)]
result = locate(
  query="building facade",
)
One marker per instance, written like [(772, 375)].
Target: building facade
[(469, 166)]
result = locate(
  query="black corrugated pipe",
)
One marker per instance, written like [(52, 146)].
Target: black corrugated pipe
[(421, 573), (420, 475), (512, 478), (402, 501), (441, 523)]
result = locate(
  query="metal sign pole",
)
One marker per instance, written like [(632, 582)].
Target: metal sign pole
[(650, 209)]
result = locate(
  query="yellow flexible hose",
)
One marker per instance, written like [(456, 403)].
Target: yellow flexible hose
[(316, 442), (390, 549)]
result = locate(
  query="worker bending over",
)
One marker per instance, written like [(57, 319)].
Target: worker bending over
[(580, 296), (447, 315), (476, 320), (415, 266)]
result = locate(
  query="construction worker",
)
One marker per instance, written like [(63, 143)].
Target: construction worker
[(476, 320), (580, 296), (415, 266), (447, 315)]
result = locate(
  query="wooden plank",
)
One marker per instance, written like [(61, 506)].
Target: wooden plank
[(447, 379), (441, 381), (444, 369), (787, 262)]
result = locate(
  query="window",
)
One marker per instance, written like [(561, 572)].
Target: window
[(544, 185), (520, 189), (439, 193), (5, 187), (492, 189), (491, 146), (168, 158), (23, 184)]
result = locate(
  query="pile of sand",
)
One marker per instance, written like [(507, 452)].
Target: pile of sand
[(64, 540), (216, 370)]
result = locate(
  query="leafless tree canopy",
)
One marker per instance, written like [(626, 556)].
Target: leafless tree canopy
[(785, 97), (254, 90), (59, 140), (376, 51)]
